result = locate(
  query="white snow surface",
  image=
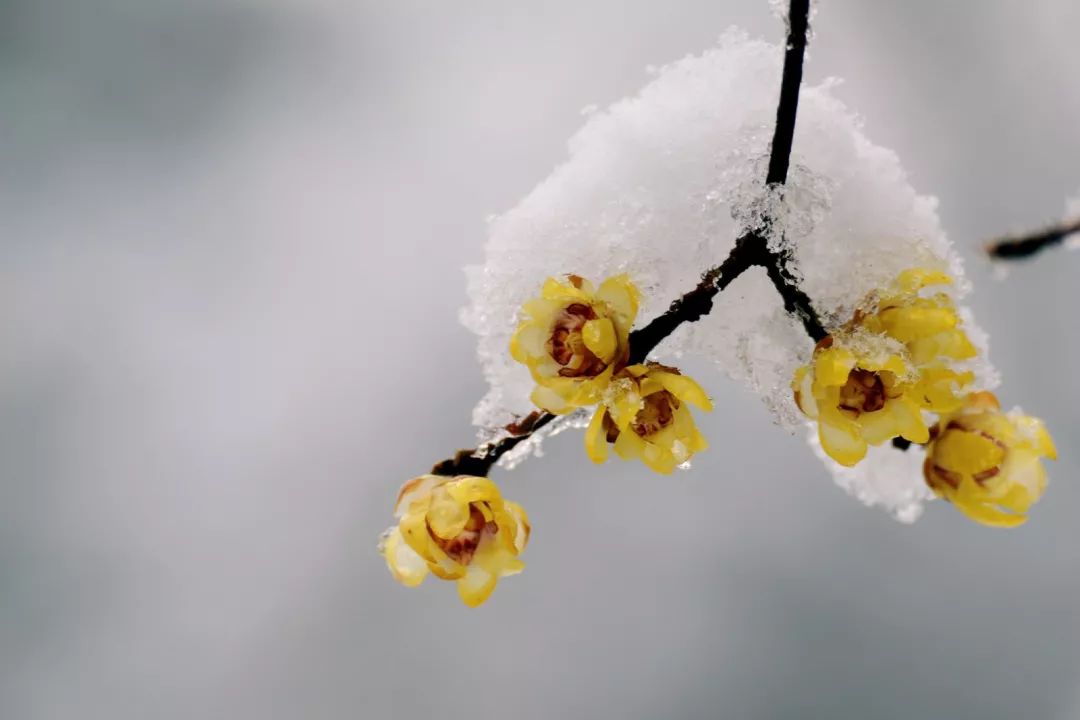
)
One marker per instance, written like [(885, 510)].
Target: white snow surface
[(659, 185)]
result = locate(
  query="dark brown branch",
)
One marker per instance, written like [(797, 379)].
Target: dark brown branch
[(1024, 246), (751, 249), (786, 109)]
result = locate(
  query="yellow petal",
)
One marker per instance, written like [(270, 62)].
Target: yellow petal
[(658, 459), (407, 567), (476, 585), (914, 279), (524, 529), (1033, 433), (447, 516), (986, 515), (1023, 469), (803, 387), (909, 420), (841, 442), (969, 453), (684, 388), (878, 426), (621, 295), (528, 341), (563, 292), (697, 442), (910, 322), (595, 437), (467, 489), (414, 530), (549, 399), (600, 339), (833, 365), (629, 446), (417, 490)]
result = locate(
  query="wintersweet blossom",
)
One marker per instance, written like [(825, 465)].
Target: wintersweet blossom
[(645, 415), (929, 326), (458, 528), (988, 463), (574, 338), (860, 390), (900, 354)]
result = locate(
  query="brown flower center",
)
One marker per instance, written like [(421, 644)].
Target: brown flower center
[(462, 547), (658, 413), (567, 346), (864, 391)]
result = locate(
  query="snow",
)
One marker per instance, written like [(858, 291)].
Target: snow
[(660, 185)]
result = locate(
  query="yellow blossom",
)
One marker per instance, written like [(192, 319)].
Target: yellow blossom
[(459, 528), (871, 379), (988, 463), (645, 415), (861, 393), (573, 338), (928, 325)]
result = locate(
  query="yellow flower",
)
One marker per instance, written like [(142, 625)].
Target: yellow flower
[(573, 338), (987, 463), (859, 389), (929, 326), (458, 528), (871, 379), (645, 415)]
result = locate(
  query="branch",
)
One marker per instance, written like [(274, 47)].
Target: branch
[(751, 249), (786, 109), (1023, 246)]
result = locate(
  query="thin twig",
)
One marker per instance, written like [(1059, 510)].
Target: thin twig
[(1024, 246), (751, 249)]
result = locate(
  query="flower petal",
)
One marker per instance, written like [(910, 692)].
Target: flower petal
[(599, 337), (841, 442), (833, 365), (467, 489), (629, 446), (529, 341), (476, 585), (803, 387), (416, 490), (595, 437), (447, 515), (658, 459), (524, 528), (909, 420), (621, 294), (405, 565), (549, 399), (684, 388)]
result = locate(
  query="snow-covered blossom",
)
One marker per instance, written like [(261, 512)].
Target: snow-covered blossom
[(870, 380), (574, 338), (988, 463), (861, 392), (458, 528), (645, 416)]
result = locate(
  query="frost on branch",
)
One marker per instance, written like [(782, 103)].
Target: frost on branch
[(660, 185)]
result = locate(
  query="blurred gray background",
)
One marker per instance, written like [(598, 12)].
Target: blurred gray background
[(230, 241)]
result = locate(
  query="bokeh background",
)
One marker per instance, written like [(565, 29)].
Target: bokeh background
[(231, 235)]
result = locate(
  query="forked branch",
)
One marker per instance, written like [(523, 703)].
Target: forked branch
[(751, 250)]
